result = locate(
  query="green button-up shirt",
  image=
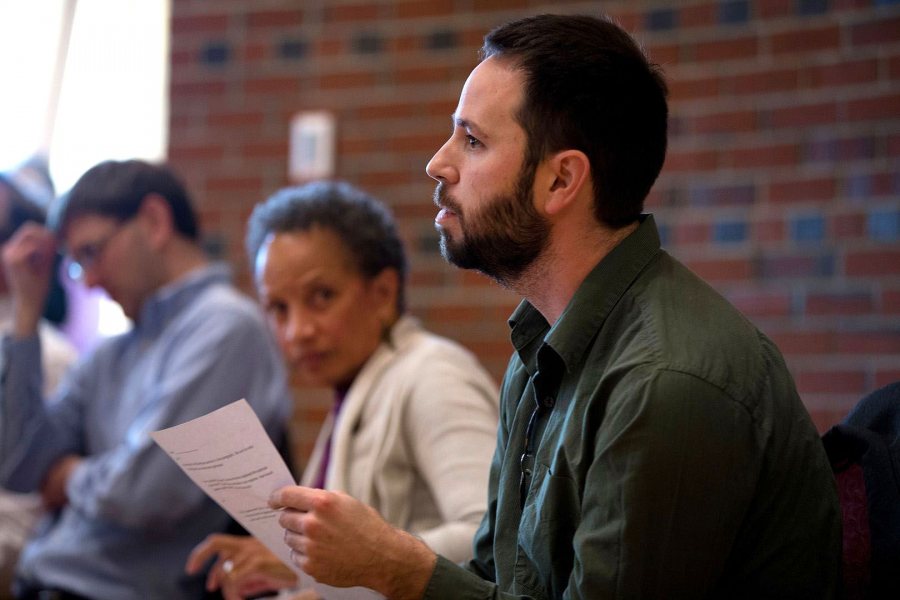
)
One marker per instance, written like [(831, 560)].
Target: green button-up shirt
[(670, 456)]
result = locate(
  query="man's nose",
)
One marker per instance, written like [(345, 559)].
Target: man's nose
[(440, 167)]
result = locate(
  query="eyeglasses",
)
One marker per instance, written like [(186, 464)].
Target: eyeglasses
[(88, 255)]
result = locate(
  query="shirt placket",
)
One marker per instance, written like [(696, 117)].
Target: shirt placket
[(543, 386)]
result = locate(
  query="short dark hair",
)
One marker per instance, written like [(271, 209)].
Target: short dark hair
[(363, 224), (588, 86), (117, 188)]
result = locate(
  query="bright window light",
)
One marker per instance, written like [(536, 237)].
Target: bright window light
[(114, 97), (29, 33)]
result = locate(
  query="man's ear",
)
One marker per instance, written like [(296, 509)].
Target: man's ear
[(565, 176), (156, 215)]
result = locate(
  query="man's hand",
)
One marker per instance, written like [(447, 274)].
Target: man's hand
[(28, 260), (342, 542), (53, 489), (244, 567)]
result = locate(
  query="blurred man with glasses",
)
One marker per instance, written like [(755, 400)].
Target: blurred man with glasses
[(124, 516)]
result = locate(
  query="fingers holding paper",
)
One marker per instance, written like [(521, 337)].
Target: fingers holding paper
[(328, 533), (342, 542)]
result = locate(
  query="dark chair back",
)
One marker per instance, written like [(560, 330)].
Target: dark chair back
[(864, 451)]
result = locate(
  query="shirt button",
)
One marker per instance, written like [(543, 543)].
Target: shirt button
[(548, 401)]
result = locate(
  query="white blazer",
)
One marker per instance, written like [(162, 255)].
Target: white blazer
[(415, 437)]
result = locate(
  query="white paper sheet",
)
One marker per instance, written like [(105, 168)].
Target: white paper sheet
[(229, 455)]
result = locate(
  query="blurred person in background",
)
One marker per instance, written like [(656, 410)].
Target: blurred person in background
[(124, 517), (25, 193), (414, 423)]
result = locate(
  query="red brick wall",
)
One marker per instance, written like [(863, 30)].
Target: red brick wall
[(781, 188)]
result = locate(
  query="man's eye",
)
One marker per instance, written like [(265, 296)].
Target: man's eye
[(472, 141), (86, 253)]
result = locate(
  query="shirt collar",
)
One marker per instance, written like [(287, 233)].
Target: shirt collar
[(587, 310), (170, 299)]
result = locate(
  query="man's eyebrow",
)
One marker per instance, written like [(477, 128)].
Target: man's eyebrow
[(467, 125)]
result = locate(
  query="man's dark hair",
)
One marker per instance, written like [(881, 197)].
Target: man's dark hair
[(588, 86), (362, 223), (116, 189)]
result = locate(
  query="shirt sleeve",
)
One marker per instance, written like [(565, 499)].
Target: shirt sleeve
[(30, 441), (452, 419), (214, 361)]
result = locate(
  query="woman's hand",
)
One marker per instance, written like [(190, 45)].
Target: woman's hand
[(243, 567)]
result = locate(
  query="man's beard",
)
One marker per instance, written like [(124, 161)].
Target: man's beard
[(504, 237)]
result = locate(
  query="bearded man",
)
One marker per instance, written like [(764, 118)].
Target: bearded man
[(651, 440)]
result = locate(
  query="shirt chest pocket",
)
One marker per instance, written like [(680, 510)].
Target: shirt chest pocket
[(551, 514)]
